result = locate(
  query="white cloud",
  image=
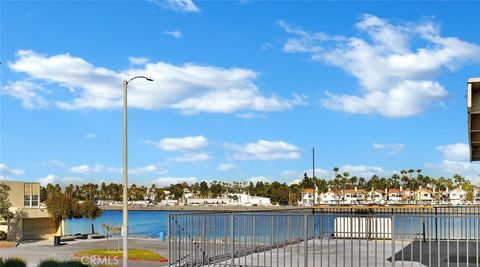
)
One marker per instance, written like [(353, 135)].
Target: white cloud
[(264, 150), (56, 163), (166, 181), (7, 171), (87, 169), (468, 169), (147, 169), (251, 115), (188, 88), (193, 157), (262, 179), (181, 144), (394, 70), (62, 181), (176, 34), (456, 161), (28, 92), (90, 136), (391, 149), (457, 152), (319, 173), (177, 5), (139, 60), (226, 167), (364, 171)]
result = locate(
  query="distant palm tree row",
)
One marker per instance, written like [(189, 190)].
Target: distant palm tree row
[(279, 193)]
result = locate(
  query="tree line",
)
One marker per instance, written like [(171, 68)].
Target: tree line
[(279, 193)]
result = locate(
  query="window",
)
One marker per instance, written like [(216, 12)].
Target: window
[(27, 201), (35, 201)]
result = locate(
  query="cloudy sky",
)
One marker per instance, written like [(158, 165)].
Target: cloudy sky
[(242, 90)]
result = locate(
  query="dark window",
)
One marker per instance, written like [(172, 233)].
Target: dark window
[(27, 201), (35, 200)]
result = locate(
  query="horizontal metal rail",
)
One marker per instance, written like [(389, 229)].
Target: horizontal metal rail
[(306, 239)]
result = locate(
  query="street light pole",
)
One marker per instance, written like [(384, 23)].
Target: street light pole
[(125, 170)]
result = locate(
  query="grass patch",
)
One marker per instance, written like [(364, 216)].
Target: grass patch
[(133, 254), (8, 244)]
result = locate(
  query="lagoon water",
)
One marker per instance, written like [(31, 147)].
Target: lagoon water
[(151, 223), (141, 223)]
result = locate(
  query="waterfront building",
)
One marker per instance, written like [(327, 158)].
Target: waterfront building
[(31, 220), (457, 196), (329, 198), (308, 197), (248, 200), (423, 196), (394, 196), (353, 196), (476, 196), (375, 197), (208, 201)]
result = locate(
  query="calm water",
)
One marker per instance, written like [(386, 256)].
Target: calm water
[(141, 223), (151, 223)]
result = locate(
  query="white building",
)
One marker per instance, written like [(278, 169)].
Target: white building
[(208, 201), (329, 198), (423, 196), (248, 200), (394, 196), (457, 196), (476, 196), (353, 196), (375, 197), (308, 197)]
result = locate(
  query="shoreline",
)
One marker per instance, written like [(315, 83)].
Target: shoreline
[(318, 208), (206, 208)]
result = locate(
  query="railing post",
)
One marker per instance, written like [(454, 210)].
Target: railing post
[(203, 239), (169, 240), (305, 236), (232, 232), (393, 240)]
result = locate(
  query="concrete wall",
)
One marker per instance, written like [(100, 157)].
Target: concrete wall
[(39, 228)]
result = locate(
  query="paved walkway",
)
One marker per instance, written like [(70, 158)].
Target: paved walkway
[(33, 252)]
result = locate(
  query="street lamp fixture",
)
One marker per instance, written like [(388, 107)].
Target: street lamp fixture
[(125, 170)]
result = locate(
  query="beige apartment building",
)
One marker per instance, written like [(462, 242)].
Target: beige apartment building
[(31, 221)]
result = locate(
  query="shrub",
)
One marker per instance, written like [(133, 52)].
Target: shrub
[(3, 235), (60, 263), (13, 262)]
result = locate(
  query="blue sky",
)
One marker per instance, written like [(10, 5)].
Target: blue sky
[(243, 90)]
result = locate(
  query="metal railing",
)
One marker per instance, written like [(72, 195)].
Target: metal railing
[(305, 239)]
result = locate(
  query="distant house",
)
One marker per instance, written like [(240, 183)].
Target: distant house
[(208, 201), (476, 196), (423, 196), (394, 196), (248, 200), (308, 197), (353, 196), (375, 197), (329, 198), (457, 196)]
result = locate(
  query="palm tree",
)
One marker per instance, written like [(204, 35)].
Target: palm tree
[(361, 182)]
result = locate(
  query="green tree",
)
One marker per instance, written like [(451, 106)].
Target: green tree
[(204, 189), (5, 213), (61, 207), (90, 210)]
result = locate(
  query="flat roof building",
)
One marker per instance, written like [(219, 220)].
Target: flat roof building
[(30, 220), (473, 111)]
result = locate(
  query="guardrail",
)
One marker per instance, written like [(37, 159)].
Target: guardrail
[(305, 239)]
